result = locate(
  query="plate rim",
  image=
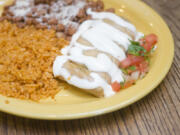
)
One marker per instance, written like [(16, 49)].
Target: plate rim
[(106, 110)]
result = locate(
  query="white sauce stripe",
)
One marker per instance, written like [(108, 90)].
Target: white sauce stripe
[(104, 38), (107, 15)]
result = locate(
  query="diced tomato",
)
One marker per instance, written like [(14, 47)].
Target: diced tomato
[(125, 63), (130, 71), (143, 67), (135, 60), (149, 41), (116, 86), (129, 83), (147, 46), (131, 60), (139, 62)]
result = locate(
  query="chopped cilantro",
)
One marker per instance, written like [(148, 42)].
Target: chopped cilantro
[(134, 42), (132, 68), (124, 71), (122, 84), (136, 49)]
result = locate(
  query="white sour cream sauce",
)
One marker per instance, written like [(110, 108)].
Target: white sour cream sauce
[(103, 37)]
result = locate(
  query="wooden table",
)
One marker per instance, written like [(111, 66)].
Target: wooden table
[(158, 113)]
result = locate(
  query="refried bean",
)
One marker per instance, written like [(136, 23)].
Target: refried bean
[(63, 16), (26, 59)]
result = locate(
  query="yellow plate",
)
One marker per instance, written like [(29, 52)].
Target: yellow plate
[(72, 104)]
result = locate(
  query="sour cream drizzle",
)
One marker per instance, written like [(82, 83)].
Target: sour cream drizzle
[(104, 38)]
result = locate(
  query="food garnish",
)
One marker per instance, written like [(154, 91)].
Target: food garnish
[(138, 57)]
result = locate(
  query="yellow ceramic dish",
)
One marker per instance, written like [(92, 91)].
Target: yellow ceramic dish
[(72, 104)]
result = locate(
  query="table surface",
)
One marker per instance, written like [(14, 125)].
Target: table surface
[(157, 113)]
